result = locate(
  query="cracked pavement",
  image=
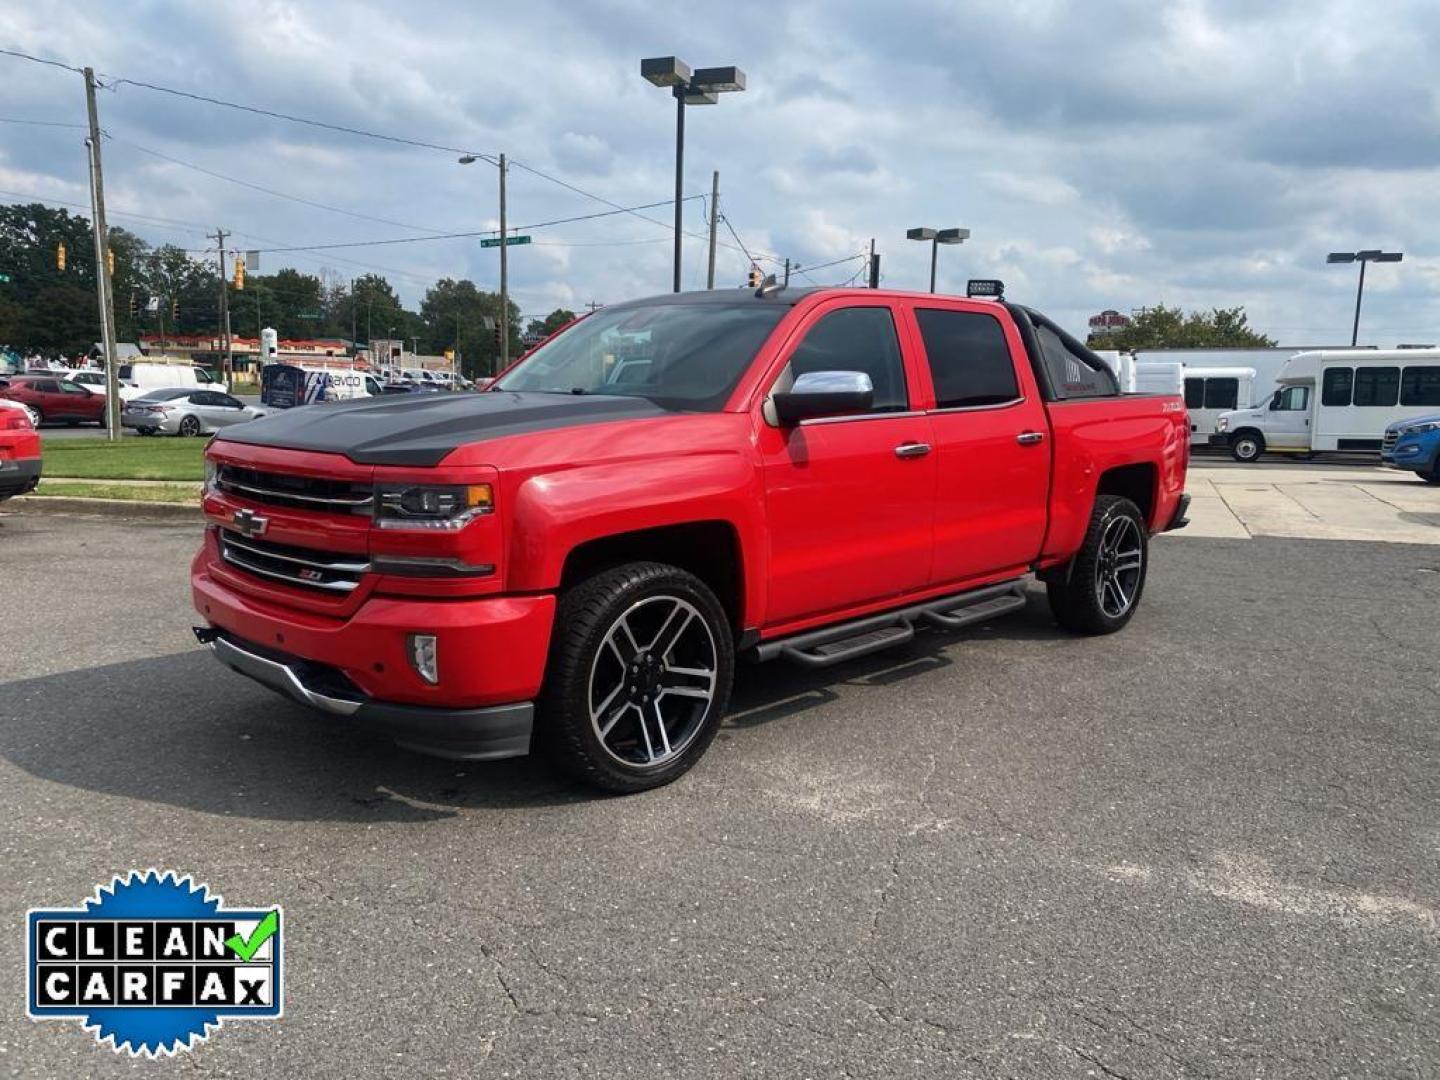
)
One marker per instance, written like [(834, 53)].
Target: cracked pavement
[(1205, 847)]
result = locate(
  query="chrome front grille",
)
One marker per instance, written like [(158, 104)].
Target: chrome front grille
[(304, 567), (1391, 438), (295, 491)]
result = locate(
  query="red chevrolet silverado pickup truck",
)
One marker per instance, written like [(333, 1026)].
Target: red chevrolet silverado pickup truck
[(574, 559)]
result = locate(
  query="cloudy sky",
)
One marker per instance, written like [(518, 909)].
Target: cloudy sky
[(1104, 154)]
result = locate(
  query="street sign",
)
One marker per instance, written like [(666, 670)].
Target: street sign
[(510, 241), (312, 315)]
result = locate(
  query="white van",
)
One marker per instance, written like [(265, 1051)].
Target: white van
[(144, 376), (1335, 401)]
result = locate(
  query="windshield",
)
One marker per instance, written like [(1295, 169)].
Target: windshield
[(680, 356)]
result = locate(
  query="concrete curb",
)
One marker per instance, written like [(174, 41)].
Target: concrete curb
[(119, 508)]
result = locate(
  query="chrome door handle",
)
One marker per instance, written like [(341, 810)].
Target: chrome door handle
[(912, 449), (1030, 438)]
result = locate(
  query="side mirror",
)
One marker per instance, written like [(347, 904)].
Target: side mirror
[(824, 393)]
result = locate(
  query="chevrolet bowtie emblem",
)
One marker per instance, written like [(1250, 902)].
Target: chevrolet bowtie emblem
[(250, 524)]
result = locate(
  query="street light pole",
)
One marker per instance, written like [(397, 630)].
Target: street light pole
[(936, 238), (703, 87), (1362, 257)]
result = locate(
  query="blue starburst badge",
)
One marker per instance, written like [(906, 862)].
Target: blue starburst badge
[(152, 963)]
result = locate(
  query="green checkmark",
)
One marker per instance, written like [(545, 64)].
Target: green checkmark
[(246, 948)]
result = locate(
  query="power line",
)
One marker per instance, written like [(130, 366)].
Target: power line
[(273, 114), (472, 233), (40, 123), (117, 82), (42, 60), (265, 190)]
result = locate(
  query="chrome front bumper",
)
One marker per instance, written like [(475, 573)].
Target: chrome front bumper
[(496, 731)]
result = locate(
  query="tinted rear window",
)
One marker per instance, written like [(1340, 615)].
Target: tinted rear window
[(969, 358)]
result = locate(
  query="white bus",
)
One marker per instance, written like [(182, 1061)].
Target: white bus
[(1335, 401), (1212, 391)]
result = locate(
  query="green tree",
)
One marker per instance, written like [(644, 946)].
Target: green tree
[(552, 322), (1171, 328), (456, 313)]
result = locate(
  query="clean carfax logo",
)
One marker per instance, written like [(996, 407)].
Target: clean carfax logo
[(151, 963)]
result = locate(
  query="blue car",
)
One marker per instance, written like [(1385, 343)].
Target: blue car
[(1414, 445)]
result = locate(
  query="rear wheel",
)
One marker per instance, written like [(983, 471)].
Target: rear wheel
[(1431, 477), (1247, 446), (638, 678), (189, 426), (1104, 581)]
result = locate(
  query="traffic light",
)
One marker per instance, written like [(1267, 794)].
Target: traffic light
[(60, 257), (110, 260), (134, 306), (175, 309), (756, 278), (497, 335), (239, 274)]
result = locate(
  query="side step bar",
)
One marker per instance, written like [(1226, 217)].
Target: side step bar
[(836, 644)]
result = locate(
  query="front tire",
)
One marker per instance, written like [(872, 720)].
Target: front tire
[(1431, 477), (1247, 446), (1102, 586), (638, 677)]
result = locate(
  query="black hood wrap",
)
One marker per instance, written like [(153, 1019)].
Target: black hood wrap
[(421, 429)]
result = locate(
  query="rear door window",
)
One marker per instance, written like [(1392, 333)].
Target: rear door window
[(970, 362), (1377, 386)]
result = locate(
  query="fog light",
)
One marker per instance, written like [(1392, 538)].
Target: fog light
[(424, 657)]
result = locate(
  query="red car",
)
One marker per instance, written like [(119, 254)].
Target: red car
[(19, 452), (575, 558), (57, 400)]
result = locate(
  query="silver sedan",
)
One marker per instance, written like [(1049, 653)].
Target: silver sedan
[(185, 411)]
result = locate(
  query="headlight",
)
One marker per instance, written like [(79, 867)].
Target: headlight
[(212, 470), (1420, 429), (431, 506), (1222, 424)]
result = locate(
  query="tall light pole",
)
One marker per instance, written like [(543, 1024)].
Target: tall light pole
[(1362, 257), (469, 159), (701, 87), (936, 238)]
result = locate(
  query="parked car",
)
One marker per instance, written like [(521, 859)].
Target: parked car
[(1414, 445), (55, 399), (801, 474), (31, 414), (184, 411), (19, 450)]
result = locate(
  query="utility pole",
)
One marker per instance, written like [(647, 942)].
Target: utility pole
[(219, 238), (354, 317), (714, 220), (504, 277), (102, 266), (787, 271)]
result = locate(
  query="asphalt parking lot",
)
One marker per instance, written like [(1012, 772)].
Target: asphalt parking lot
[(1205, 847)]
